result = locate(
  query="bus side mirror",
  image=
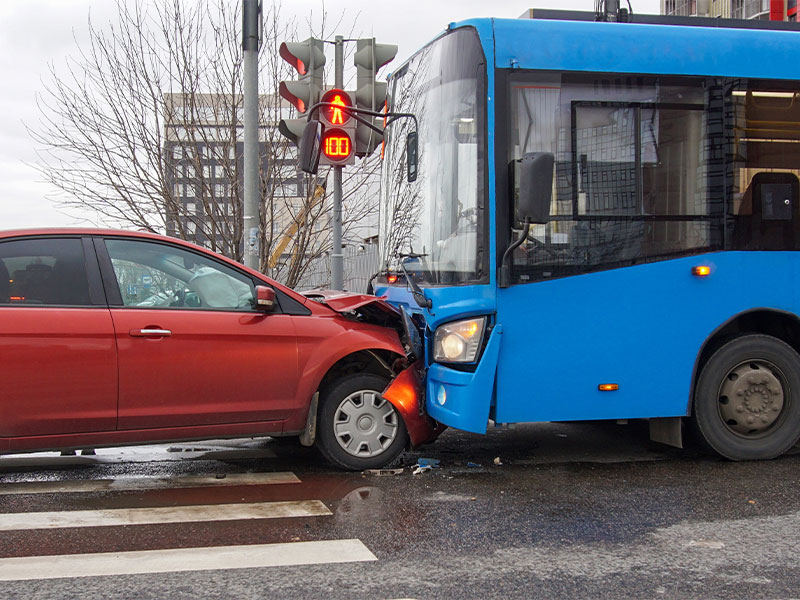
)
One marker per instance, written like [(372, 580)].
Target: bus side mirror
[(411, 156), (310, 146), (535, 187)]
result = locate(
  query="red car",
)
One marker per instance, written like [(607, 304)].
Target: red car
[(110, 338)]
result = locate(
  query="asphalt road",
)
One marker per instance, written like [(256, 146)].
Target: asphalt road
[(571, 511)]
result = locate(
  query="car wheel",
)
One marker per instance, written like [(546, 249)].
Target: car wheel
[(357, 428), (747, 399)]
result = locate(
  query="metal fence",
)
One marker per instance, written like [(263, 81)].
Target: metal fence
[(360, 263)]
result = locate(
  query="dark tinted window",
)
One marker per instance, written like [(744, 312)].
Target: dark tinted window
[(43, 272), (635, 170)]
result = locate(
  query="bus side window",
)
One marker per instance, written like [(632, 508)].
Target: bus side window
[(765, 207)]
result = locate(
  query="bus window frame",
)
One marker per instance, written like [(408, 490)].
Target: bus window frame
[(504, 209)]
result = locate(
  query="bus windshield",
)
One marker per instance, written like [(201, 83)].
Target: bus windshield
[(440, 214)]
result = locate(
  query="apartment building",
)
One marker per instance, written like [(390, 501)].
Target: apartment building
[(774, 10)]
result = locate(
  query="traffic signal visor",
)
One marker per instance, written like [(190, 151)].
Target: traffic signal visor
[(303, 56)]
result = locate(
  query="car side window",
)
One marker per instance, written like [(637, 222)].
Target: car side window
[(155, 275), (44, 271)]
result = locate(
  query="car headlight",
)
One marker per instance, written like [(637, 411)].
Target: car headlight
[(458, 342)]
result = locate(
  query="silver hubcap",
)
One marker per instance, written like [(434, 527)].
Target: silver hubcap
[(751, 398), (365, 424)]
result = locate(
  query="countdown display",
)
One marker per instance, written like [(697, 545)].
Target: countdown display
[(337, 145)]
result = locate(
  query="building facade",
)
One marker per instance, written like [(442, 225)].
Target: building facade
[(203, 154), (774, 10)]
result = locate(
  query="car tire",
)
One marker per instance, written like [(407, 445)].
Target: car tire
[(747, 399), (357, 429)]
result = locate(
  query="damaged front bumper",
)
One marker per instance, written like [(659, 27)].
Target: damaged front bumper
[(407, 394)]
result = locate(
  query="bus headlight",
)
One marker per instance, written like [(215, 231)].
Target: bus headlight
[(458, 342)]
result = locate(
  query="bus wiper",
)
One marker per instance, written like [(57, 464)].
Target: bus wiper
[(416, 291)]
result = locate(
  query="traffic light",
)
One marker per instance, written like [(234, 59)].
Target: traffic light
[(370, 94), (308, 59), (339, 134)]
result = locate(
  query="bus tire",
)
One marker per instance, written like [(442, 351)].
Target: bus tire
[(747, 398), (357, 429)]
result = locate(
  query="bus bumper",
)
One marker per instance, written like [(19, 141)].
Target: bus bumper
[(460, 399), (407, 394)]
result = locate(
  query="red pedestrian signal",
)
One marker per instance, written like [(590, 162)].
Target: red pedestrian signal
[(336, 114), (338, 140)]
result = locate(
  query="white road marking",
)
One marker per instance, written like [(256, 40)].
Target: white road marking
[(145, 483), (166, 514), (245, 448), (184, 559)]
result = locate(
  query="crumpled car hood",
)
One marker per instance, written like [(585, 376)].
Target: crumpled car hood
[(369, 308)]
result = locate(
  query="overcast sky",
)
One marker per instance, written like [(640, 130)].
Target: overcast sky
[(37, 33)]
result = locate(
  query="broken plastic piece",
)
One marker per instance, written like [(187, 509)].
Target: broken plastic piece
[(472, 464), (428, 462), (383, 472), (417, 470)]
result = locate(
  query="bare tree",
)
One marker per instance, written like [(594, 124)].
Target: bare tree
[(149, 114)]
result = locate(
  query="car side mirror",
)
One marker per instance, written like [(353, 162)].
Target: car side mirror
[(265, 298), (535, 187), (311, 146)]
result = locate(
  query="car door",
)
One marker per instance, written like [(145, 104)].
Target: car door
[(58, 363), (192, 349)]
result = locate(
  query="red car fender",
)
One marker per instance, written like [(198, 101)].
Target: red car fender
[(407, 394), (318, 358)]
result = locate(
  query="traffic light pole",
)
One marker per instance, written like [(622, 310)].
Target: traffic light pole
[(337, 258), (251, 29)]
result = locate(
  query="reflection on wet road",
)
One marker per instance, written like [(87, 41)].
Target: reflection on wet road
[(592, 510)]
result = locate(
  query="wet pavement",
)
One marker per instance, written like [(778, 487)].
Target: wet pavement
[(539, 511)]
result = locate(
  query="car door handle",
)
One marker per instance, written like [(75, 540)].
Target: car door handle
[(150, 332)]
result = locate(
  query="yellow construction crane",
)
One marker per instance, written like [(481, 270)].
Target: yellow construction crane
[(316, 198)]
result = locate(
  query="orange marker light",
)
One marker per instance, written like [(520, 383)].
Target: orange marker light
[(391, 279), (608, 387), (701, 271)]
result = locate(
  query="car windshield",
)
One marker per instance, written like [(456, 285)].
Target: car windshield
[(440, 215)]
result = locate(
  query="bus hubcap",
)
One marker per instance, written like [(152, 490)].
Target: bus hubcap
[(751, 398)]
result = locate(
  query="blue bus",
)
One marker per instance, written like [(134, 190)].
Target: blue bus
[(604, 224)]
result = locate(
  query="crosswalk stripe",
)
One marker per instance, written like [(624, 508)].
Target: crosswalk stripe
[(184, 559), (165, 514), (146, 483)]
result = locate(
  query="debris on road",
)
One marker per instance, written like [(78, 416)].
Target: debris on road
[(383, 472), (497, 461), (472, 464), (428, 462)]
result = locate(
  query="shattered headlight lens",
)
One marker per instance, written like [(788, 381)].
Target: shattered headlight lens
[(459, 342)]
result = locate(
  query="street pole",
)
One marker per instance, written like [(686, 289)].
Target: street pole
[(251, 34), (337, 259)]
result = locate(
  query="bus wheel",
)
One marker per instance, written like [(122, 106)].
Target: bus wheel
[(357, 429), (747, 399)]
